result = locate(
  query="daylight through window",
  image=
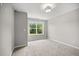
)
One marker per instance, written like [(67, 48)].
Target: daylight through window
[(36, 29)]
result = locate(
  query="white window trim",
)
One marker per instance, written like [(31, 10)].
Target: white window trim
[(36, 28)]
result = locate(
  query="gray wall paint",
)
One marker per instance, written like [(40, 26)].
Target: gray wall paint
[(38, 37), (0, 30), (65, 28), (7, 29), (20, 25)]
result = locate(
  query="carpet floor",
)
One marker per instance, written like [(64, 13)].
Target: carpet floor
[(46, 48)]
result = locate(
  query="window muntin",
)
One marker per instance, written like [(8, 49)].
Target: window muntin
[(36, 29)]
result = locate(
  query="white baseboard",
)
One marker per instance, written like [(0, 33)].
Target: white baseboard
[(20, 46), (66, 44), (12, 52), (17, 47)]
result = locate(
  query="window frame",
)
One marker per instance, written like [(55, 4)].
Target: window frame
[(36, 28)]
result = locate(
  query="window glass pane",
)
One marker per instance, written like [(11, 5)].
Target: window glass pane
[(39, 26), (39, 31), (32, 31), (32, 25)]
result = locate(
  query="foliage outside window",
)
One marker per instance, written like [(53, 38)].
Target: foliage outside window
[(36, 29)]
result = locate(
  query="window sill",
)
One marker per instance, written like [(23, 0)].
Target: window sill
[(35, 34)]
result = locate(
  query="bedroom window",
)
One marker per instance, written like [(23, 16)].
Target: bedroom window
[(36, 29)]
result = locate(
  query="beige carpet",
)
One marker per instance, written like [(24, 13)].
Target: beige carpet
[(46, 48)]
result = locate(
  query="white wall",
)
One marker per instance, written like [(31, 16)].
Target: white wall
[(62, 8), (7, 29), (20, 25), (38, 37), (65, 28)]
